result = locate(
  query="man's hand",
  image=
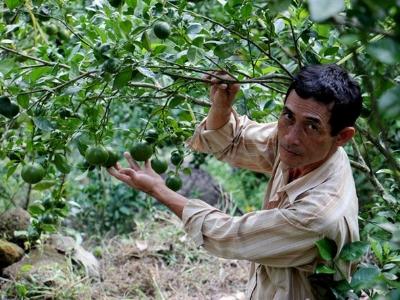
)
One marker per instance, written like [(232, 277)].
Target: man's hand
[(148, 181), (144, 179), (222, 94)]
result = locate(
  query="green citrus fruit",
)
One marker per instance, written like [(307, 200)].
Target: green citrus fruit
[(112, 158), (162, 30), (33, 234), (111, 65), (32, 173), (96, 155), (51, 29), (176, 158), (65, 113), (160, 166), (141, 151), (151, 136), (173, 182), (47, 203), (16, 154), (48, 219), (63, 34), (8, 108), (116, 3), (60, 203), (101, 51)]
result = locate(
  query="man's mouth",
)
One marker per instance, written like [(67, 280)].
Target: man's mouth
[(289, 151)]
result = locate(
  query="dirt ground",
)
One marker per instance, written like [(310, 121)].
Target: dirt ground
[(157, 261)]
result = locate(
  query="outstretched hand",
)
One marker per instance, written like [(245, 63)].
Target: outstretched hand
[(144, 178)]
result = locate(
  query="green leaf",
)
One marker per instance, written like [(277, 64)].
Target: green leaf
[(43, 124), (36, 209), (39, 72), (222, 51), (62, 164), (246, 10), (146, 41), (354, 251), (364, 277), (277, 6), (43, 185), (389, 102), (6, 65), (126, 26), (49, 228), (23, 101), (11, 4), (146, 72), (194, 54), (174, 102), (327, 248), (122, 78), (11, 169), (131, 3), (323, 269), (321, 10), (385, 50), (194, 29)]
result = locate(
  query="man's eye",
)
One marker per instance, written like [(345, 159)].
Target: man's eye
[(287, 116), (313, 127)]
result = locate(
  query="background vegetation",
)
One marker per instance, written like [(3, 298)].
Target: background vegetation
[(89, 73)]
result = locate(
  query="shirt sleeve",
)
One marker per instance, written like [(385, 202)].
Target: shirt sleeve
[(267, 237), (241, 142)]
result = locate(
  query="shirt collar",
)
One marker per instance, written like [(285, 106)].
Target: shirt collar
[(312, 179)]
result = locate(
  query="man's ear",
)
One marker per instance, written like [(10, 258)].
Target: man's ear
[(345, 135)]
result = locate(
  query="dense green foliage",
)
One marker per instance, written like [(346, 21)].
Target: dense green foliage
[(79, 74)]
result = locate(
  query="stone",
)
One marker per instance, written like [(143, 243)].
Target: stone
[(15, 219), (67, 245), (54, 254), (9, 253)]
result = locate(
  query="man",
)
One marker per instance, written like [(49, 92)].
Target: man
[(311, 193)]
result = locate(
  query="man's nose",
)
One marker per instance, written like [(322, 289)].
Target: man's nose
[(293, 135)]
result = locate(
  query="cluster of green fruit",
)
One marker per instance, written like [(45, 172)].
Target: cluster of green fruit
[(161, 29), (8, 108), (143, 151)]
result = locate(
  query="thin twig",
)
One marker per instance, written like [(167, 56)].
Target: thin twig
[(240, 36)]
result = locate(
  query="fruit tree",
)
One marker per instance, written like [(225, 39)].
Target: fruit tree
[(83, 81)]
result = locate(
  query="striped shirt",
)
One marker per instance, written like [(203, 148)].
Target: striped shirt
[(280, 239)]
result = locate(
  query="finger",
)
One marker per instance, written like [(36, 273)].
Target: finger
[(223, 86), (132, 163), (117, 166), (147, 164), (206, 76), (118, 175), (129, 172)]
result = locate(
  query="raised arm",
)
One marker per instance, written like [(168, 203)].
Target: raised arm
[(222, 96), (232, 138)]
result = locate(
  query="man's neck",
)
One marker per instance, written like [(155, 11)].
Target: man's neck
[(295, 173)]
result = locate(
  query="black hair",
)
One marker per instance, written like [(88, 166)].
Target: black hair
[(330, 84)]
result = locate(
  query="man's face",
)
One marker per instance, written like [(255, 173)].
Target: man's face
[(304, 133)]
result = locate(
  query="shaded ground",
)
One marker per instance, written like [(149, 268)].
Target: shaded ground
[(156, 261)]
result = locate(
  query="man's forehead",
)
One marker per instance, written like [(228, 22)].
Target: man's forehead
[(307, 108)]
